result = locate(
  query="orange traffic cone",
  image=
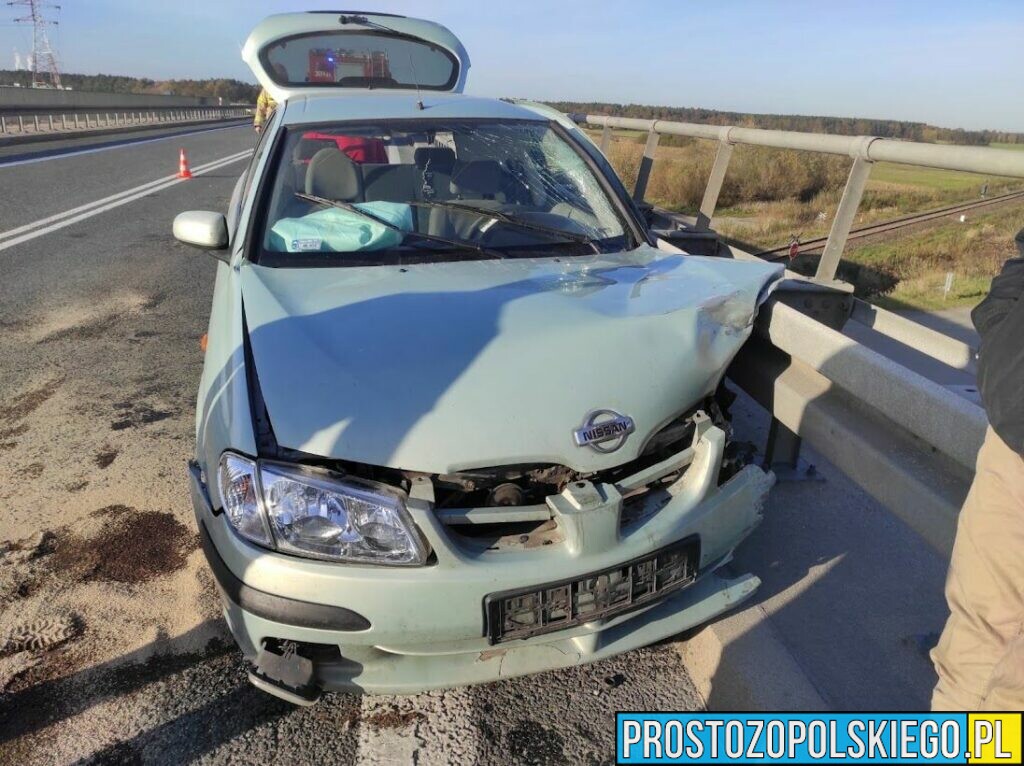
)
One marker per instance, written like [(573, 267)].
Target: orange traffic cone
[(183, 171)]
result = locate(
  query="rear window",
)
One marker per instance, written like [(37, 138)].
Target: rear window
[(360, 60)]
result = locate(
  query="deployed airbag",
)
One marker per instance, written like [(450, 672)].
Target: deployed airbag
[(333, 230)]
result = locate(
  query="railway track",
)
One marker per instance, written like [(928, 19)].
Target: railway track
[(816, 244)]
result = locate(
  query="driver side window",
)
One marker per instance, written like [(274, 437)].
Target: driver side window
[(247, 180)]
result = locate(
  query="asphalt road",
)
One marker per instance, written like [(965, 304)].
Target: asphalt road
[(123, 657)]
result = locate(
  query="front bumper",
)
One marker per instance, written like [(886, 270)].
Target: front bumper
[(405, 630)]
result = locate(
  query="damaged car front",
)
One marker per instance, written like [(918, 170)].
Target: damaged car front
[(459, 419)]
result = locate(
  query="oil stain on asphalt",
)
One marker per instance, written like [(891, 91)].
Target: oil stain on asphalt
[(134, 546)]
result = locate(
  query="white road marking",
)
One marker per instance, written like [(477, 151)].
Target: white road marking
[(60, 220), (111, 146), (111, 198)]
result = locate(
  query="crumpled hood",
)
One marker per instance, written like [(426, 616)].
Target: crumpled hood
[(449, 366)]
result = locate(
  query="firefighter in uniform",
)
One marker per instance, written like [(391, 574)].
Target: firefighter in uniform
[(265, 104)]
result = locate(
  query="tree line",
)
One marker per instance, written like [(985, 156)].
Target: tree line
[(228, 89), (847, 126)]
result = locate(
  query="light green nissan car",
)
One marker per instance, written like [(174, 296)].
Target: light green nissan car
[(461, 416)]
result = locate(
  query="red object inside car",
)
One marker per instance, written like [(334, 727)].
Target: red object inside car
[(357, 148)]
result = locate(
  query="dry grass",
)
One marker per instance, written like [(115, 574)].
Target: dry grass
[(771, 195), (755, 174)]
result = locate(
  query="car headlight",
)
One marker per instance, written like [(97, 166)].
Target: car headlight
[(315, 513)]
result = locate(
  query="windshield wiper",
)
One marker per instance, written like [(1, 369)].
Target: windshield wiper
[(461, 244), (512, 220)]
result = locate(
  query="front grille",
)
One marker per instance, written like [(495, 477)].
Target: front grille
[(556, 606)]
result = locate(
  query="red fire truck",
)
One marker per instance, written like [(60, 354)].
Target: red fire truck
[(327, 65)]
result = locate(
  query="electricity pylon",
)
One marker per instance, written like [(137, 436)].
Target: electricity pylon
[(44, 60)]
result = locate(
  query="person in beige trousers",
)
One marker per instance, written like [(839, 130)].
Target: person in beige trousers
[(980, 655)]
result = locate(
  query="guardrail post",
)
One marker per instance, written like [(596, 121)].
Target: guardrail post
[(843, 222), (782, 455), (646, 162), (76, 120), (64, 121), (714, 187), (606, 139), (3, 124), (35, 118), (21, 124), (51, 122)]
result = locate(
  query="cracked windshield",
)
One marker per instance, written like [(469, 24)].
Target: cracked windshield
[(435, 191)]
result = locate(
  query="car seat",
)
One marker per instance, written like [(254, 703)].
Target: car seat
[(332, 175)]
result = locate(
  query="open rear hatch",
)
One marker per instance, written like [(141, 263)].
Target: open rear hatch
[(304, 53)]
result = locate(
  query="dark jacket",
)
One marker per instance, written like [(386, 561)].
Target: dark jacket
[(999, 320)]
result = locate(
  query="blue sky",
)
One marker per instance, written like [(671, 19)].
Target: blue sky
[(957, 64)]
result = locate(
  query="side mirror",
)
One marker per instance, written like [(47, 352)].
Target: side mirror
[(647, 213), (202, 229)]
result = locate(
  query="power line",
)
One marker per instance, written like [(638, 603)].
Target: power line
[(44, 59)]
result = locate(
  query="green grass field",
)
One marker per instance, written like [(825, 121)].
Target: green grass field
[(885, 174), (909, 270)]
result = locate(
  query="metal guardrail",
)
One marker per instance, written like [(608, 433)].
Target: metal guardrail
[(865, 151), (68, 122), (906, 440)]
